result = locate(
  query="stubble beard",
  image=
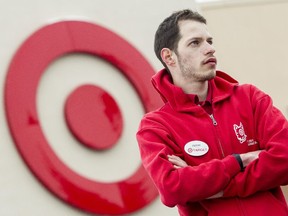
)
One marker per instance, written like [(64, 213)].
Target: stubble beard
[(200, 75)]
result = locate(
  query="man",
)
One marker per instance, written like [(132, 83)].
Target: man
[(215, 147)]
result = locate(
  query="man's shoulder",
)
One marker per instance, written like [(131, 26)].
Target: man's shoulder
[(155, 117)]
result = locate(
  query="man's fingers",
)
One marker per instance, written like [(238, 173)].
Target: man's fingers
[(177, 161)]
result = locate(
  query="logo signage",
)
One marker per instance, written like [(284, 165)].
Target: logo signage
[(26, 68)]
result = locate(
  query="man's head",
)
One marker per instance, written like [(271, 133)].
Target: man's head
[(185, 47), (168, 32)]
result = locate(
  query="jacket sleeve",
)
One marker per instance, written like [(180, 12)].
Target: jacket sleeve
[(270, 170), (188, 184)]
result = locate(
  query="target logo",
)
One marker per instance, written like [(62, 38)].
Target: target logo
[(92, 115)]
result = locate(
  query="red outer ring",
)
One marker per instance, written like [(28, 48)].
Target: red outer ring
[(27, 66)]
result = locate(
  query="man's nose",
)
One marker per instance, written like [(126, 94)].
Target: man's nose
[(209, 49)]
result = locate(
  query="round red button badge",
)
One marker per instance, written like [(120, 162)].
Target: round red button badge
[(28, 65)]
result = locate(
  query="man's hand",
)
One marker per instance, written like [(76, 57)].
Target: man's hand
[(177, 161), (218, 195), (248, 157)]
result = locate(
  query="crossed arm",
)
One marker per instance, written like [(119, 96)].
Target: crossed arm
[(246, 158)]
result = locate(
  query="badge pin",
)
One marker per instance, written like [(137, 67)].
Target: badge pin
[(196, 148)]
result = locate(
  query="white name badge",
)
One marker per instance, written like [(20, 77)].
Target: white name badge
[(196, 148)]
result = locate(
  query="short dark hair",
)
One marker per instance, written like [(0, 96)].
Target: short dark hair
[(168, 33)]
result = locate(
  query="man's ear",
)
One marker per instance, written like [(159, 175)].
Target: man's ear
[(167, 57)]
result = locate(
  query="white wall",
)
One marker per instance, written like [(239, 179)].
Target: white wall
[(136, 21), (251, 45), (250, 40)]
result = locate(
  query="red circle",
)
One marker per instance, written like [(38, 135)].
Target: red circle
[(27, 66), (93, 117)]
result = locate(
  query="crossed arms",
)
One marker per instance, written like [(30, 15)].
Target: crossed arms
[(246, 158)]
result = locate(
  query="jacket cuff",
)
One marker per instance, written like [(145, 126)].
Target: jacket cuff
[(233, 168), (232, 165)]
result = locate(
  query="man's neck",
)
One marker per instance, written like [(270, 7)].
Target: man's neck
[(198, 88)]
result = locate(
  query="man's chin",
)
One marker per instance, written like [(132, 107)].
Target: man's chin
[(210, 75)]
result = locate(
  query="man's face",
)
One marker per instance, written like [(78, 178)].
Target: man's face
[(195, 52)]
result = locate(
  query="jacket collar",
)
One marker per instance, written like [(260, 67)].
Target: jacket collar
[(222, 86)]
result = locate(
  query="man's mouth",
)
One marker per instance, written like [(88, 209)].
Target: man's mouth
[(210, 61)]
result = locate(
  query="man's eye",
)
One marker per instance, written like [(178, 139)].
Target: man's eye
[(194, 42), (210, 42)]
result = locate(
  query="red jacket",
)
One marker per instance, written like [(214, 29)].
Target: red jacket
[(244, 120)]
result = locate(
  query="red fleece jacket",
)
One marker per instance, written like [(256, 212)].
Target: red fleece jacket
[(244, 120)]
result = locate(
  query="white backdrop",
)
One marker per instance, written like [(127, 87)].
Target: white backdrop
[(136, 21)]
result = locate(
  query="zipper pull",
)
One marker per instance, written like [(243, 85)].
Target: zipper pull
[(213, 120)]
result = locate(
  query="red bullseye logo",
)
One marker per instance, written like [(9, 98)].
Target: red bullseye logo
[(91, 113)]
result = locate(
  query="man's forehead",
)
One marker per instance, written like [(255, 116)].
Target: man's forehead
[(193, 29)]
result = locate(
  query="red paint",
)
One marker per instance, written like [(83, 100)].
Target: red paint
[(27, 66)]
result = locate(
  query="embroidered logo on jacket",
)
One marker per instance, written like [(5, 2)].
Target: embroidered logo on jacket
[(240, 133)]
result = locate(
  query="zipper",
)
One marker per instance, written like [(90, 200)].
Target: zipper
[(219, 141), (213, 120)]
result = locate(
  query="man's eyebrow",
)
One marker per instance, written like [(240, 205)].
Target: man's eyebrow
[(189, 40), (199, 38), (195, 38)]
